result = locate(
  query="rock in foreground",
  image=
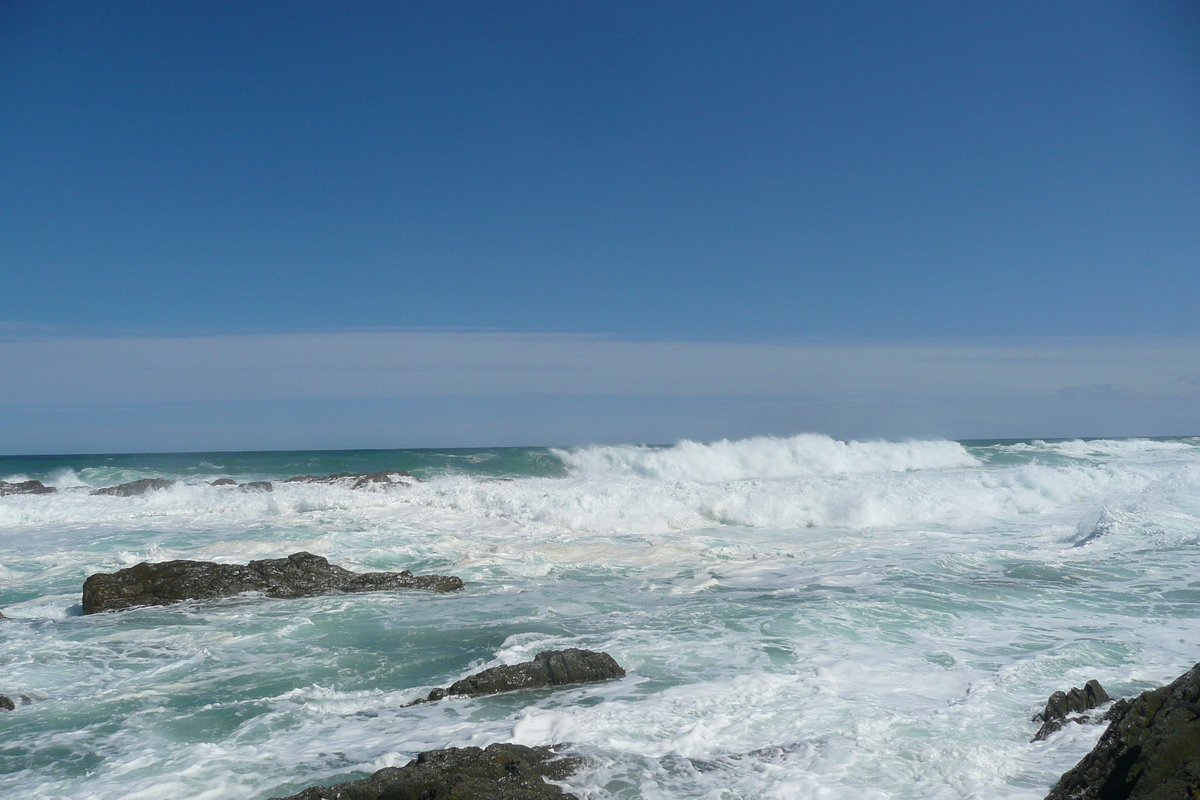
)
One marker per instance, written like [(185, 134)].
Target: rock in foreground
[(501, 772), (298, 575), (1151, 750), (548, 668)]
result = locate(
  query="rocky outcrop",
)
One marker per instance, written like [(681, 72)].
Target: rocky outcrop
[(251, 486), (357, 480), (548, 668), (1064, 707), (135, 488), (1151, 750), (500, 772), (298, 575), (7, 703), (25, 487)]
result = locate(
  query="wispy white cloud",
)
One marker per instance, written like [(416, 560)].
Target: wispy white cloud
[(396, 364), (423, 388)]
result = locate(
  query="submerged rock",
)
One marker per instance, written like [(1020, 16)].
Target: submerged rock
[(298, 575), (358, 480), (500, 772), (548, 668), (1151, 750), (25, 487), (1062, 705), (135, 488), (223, 482), (257, 486)]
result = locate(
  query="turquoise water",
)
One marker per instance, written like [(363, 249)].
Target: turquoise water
[(799, 617)]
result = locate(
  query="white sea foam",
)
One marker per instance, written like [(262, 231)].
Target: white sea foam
[(625, 499), (798, 619), (1124, 448), (765, 457)]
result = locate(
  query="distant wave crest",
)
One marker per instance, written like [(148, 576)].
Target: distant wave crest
[(765, 457)]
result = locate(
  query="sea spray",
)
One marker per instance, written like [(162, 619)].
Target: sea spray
[(765, 457)]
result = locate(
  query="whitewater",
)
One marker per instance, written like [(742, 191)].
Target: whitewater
[(799, 617)]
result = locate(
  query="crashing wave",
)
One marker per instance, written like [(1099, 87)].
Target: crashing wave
[(765, 457)]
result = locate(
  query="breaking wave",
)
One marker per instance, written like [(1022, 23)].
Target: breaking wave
[(765, 457)]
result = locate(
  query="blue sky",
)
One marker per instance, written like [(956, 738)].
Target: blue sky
[(783, 177)]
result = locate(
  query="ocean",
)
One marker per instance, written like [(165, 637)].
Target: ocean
[(799, 617)]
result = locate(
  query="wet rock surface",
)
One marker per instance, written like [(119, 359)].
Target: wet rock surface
[(8, 704), (223, 482), (499, 772), (257, 486), (357, 480), (1064, 707), (134, 488), (25, 487), (548, 668), (298, 575), (1151, 750)]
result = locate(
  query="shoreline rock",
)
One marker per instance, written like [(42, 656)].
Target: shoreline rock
[(355, 480), (1150, 751), (358, 480), (499, 772), (298, 575), (134, 488), (1062, 705), (8, 704), (25, 487), (548, 668)]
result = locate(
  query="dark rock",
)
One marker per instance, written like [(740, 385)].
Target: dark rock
[(2, 616), (358, 480), (548, 668), (501, 772), (1150, 751), (1119, 707), (257, 486), (6, 703), (298, 575), (25, 487), (1050, 726), (135, 488), (1061, 706), (224, 482)]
